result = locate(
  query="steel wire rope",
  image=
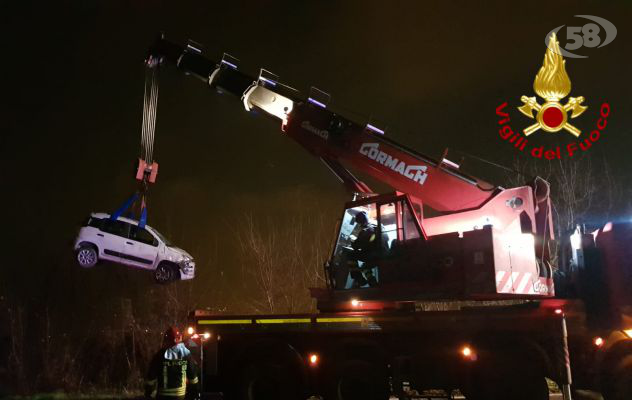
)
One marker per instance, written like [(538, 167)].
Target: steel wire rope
[(151, 116), (154, 109), (150, 103), (143, 139)]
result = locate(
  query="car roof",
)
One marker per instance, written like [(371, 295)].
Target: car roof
[(128, 220)]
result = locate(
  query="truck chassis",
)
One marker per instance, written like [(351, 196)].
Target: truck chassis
[(486, 352)]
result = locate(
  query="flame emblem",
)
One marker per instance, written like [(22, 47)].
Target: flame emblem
[(552, 84)]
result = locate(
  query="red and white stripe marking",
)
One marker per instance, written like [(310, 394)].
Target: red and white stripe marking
[(518, 283)]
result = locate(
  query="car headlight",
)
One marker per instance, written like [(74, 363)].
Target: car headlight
[(186, 262)]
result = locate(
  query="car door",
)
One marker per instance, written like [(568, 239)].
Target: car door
[(113, 236), (141, 248)]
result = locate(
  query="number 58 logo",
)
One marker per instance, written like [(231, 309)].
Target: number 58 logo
[(598, 33)]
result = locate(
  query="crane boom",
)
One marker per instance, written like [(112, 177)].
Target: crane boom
[(335, 138)]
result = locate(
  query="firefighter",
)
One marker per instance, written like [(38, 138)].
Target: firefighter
[(172, 371), (364, 248)]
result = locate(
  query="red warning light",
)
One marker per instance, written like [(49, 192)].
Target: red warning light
[(313, 359), (468, 353)]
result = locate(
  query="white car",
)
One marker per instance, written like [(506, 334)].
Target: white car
[(122, 241)]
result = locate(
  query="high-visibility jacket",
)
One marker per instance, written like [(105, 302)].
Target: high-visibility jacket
[(170, 372)]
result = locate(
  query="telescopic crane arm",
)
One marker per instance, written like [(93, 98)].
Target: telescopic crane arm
[(334, 138), (341, 142)]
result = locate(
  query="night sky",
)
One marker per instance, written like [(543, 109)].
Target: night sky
[(433, 71)]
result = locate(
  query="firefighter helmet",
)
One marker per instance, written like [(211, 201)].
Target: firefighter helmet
[(361, 218), (172, 336)]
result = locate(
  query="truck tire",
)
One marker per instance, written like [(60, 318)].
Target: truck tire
[(517, 389), (533, 387), (502, 382), (619, 386), (269, 380), (360, 380)]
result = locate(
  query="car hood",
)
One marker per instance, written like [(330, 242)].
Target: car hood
[(179, 250)]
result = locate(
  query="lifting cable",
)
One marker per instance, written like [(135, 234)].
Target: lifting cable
[(150, 104), (147, 167)]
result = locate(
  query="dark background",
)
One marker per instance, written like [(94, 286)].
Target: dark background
[(73, 84)]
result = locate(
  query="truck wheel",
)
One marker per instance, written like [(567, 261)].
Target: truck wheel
[(623, 386), (534, 388), (511, 384), (619, 386), (262, 381), (87, 256), (361, 380), (164, 273)]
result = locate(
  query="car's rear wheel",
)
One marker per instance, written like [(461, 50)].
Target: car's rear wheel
[(164, 273), (87, 256)]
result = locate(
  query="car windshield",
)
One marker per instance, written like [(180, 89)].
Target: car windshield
[(166, 241)]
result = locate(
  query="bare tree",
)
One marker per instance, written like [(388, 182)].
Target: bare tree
[(280, 263), (17, 357), (574, 192), (582, 191)]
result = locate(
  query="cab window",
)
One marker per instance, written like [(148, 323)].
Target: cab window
[(411, 231), (349, 229), (371, 241), (355, 245), (388, 219)]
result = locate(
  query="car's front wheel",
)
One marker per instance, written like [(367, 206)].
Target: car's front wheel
[(87, 256), (164, 273)]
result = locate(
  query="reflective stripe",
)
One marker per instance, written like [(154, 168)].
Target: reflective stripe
[(257, 321), (180, 391), (193, 381), (391, 319), (164, 377), (284, 321), (224, 321), (276, 321), (343, 319)]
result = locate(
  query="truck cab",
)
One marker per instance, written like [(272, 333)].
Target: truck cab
[(406, 263)]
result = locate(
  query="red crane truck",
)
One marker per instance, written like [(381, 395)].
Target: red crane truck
[(461, 300)]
